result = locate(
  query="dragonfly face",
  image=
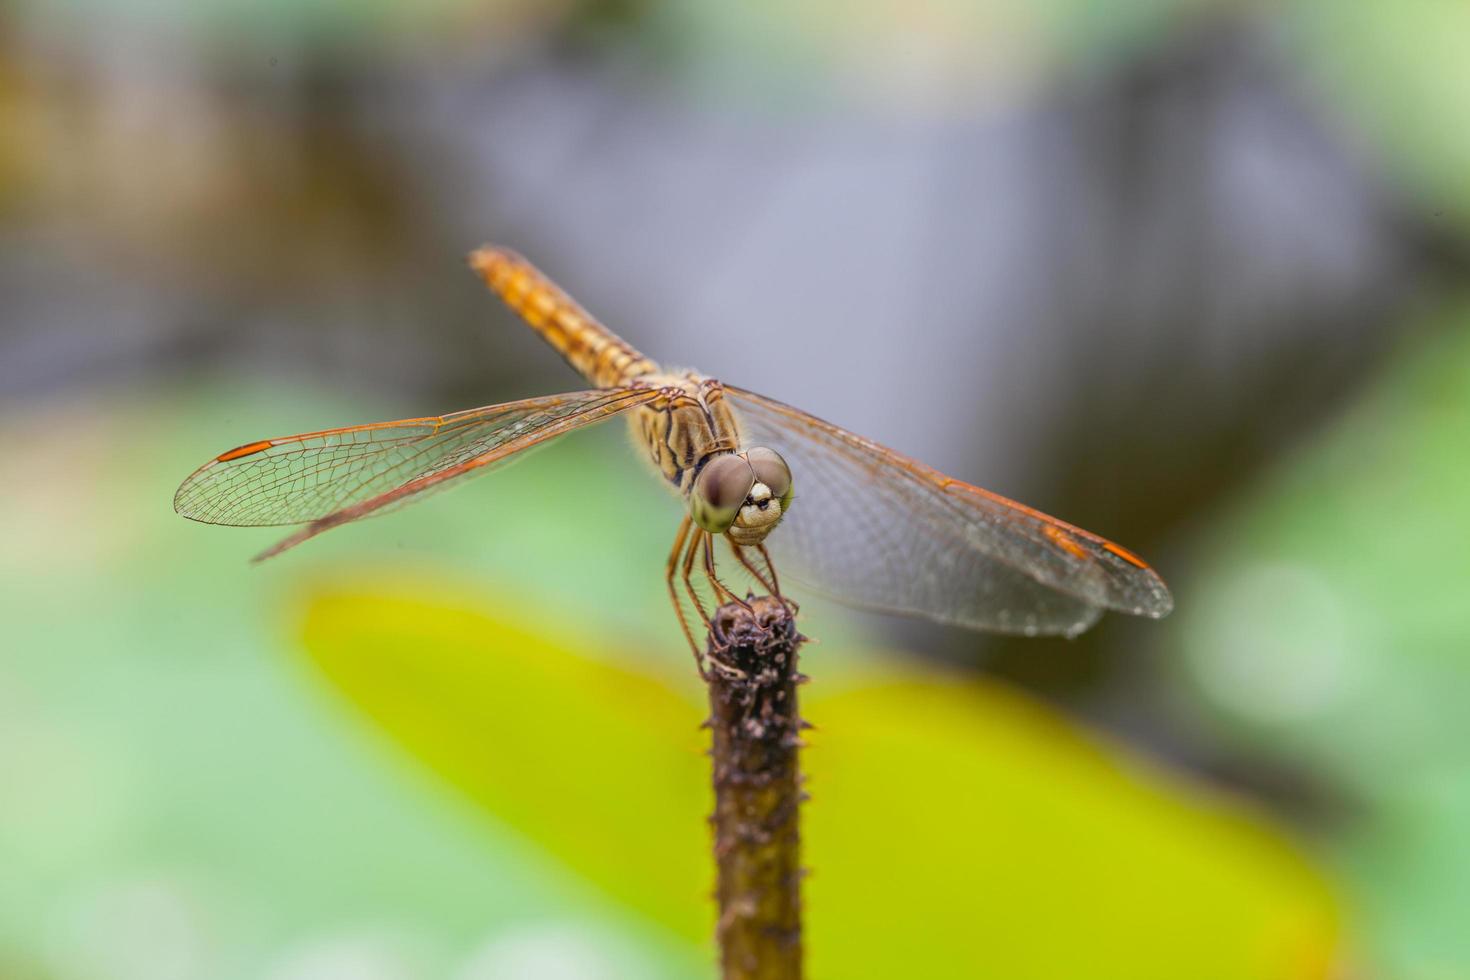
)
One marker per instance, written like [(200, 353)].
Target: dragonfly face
[(877, 529), (744, 495)]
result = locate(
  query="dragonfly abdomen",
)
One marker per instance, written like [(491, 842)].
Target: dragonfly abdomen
[(600, 355)]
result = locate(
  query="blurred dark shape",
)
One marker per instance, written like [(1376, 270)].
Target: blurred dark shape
[(1233, 271)]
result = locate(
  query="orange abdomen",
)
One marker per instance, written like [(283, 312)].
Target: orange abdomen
[(603, 358)]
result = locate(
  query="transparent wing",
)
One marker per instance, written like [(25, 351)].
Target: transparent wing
[(871, 527), (338, 475)]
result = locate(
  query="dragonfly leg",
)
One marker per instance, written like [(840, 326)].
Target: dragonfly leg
[(690, 553), (775, 583), (768, 584), (670, 571), (722, 591), (702, 540)]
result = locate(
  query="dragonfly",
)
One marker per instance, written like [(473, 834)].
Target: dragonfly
[(869, 526)]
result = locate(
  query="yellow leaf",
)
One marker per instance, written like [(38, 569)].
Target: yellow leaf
[(957, 829)]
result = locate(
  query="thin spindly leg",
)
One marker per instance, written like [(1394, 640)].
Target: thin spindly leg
[(765, 583), (775, 582), (722, 591), (670, 571), (701, 539), (690, 553)]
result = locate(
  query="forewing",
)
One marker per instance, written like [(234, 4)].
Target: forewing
[(338, 475), (871, 527)]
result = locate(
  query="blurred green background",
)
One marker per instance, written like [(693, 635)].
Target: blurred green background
[(1189, 274)]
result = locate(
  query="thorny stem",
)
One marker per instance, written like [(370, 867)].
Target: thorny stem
[(752, 691)]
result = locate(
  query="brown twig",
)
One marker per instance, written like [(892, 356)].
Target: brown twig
[(752, 690)]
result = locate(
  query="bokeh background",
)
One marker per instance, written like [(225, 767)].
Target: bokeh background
[(1190, 273)]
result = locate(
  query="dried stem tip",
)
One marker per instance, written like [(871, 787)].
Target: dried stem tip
[(752, 691)]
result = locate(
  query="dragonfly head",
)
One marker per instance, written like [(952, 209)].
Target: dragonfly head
[(745, 494)]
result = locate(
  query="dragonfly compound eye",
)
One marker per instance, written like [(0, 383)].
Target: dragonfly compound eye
[(719, 492), (772, 470)]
